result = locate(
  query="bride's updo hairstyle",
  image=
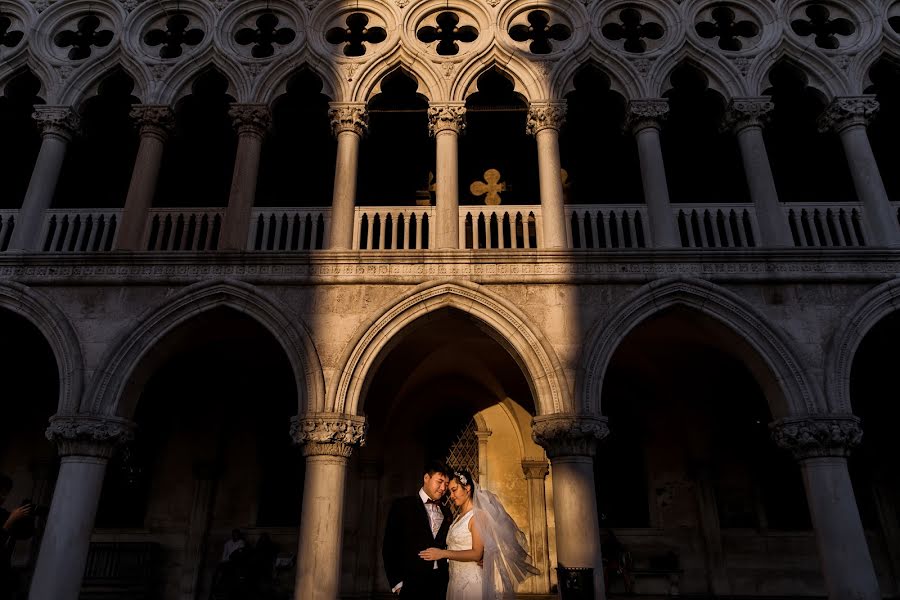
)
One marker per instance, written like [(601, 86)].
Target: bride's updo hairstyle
[(465, 479)]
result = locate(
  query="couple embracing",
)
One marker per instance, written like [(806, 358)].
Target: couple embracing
[(429, 555)]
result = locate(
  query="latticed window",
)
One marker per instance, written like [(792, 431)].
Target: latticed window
[(463, 452)]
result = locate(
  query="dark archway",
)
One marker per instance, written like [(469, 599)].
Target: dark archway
[(884, 129), (22, 140)]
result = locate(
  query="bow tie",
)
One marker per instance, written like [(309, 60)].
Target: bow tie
[(430, 501)]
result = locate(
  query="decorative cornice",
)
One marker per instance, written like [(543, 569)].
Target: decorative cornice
[(748, 112), (817, 436), (152, 119), (569, 435), (89, 436), (646, 112), (549, 115), (848, 111), (333, 434), (535, 469), (250, 119), (349, 117), (446, 117), (60, 121)]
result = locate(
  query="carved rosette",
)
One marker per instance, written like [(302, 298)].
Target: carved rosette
[(748, 112), (153, 120), (446, 117), (349, 117), (89, 436), (60, 121), (551, 115), (332, 434), (649, 112), (848, 111), (817, 436), (569, 435), (250, 119), (535, 469)]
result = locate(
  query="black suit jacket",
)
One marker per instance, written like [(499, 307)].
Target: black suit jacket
[(408, 532)]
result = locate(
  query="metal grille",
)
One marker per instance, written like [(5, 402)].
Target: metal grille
[(463, 452)]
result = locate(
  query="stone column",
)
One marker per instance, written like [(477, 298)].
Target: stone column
[(85, 446), (445, 123), (644, 119), (483, 478), (535, 473), (544, 122), (251, 121), (821, 445), (155, 123), (58, 125), (571, 444), (328, 440), (206, 477), (745, 118), (848, 117), (349, 122)]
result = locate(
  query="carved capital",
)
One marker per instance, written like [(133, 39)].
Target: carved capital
[(250, 119), (334, 434), (349, 117), (60, 121), (535, 469), (817, 436), (646, 112), (569, 435), (153, 119), (549, 115), (446, 117), (748, 112), (848, 111), (89, 436)]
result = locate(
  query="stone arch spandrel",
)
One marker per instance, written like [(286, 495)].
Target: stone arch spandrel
[(508, 325), (106, 395), (59, 334), (777, 366)]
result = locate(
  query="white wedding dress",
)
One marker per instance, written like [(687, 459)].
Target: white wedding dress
[(465, 577)]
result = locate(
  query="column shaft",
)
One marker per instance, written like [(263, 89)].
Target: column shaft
[(544, 122), (447, 190), (251, 121), (349, 123), (656, 191), (535, 476)]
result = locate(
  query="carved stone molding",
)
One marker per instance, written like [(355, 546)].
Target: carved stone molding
[(446, 117), (60, 121), (349, 117), (250, 119), (550, 115), (155, 120), (817, 436), (333, 434), (647, 112), (848, 111), (569, 435), (89, 436), (535, 469), (748, 112)]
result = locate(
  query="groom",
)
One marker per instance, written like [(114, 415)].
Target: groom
[(416, 523)]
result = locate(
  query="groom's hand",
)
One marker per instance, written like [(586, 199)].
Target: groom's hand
[(432, 554)]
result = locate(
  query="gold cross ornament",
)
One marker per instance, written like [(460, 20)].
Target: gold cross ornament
[(490, 188)]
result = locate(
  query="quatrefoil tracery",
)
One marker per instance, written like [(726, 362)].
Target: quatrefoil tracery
[(356, 34), (540, 32), (448, 33), (820, 24), (83, 38), (174, 36), (632, 30), (727, 28), (266, 36)]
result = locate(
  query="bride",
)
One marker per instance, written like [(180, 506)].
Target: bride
[(483, 533)]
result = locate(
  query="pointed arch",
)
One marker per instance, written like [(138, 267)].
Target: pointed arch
[(105, 396), (274, 83), (178, 83), (368, 83), (820, 73), (721, 75), (622, 77), (779, 370), (27, 61), (87, 83), (503, 321), (526, 80), (864, 62), (57, 330)]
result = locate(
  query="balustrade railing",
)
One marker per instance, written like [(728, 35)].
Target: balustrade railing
[(80, 230), (605, 226), (825, 225), (185, 229), (717, 225), (393, 228), (7, 225), (289, 229), (515, 227)]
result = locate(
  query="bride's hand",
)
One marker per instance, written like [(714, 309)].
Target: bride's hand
[(432, 554)]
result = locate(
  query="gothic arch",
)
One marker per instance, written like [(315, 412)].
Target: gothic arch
[(864, 63), (622, 78), (865, 314), (368, 84), (781, 373), (120, 363), (274, 83), (527, 82), (178, 83), (721, 75), (56, 328), (87, 82), (506, 323), (821, 74)]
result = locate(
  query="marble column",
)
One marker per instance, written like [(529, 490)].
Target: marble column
[(155, 123), (644, 120), (848, 116), (745, 117), (821, 445), (85, 446), (544, 122), (327, 440), (446, 122), (536, 472), (571, 444), (251, 121), (206, 477), (58, 125), (349, 122)]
